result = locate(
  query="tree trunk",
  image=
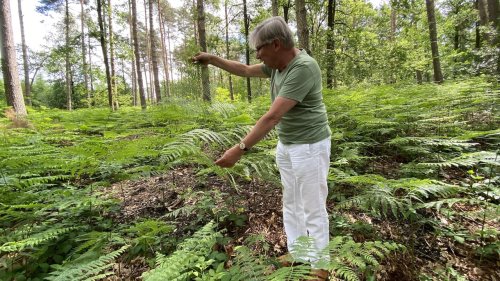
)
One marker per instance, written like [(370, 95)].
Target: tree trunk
[(9, 64), (393, 21), (104, 49), (286, 9), (133, 75), (69, 102), (227, 48), (203, 44), (170, 56), (27, 85), (247, 48), (164, 57), (419, 76), (142, 96), (438, 75), (112, 56), (274, 7), (331, 81), (84, 53), (91, 76), (154, 53), (302, 30)]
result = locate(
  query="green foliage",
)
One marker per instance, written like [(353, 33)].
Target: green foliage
[(91, 270), (191, 258), (397, 198), (398, 152)]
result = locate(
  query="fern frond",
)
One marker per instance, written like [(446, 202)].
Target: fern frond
[(92, 270), (430, 141), (469, 160), (191, 257), (36, 239)]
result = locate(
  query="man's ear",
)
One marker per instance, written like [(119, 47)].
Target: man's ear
[(276, 44)]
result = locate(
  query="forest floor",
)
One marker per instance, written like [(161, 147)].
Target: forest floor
[(260, 204)]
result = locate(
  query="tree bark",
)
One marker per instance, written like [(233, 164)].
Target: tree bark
[(112, 56), (331, 81), (302, 30), (142, 96), (164, 57), (104, 49), (231, 93), (69, 102), (12, 86), (84, 53), (154, 53), (286, 9), (274, 7), (133, 75), (205, 81), (438, 75), (247, 48), (27, 85)]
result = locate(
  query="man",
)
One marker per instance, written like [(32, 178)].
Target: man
[(299, 114)]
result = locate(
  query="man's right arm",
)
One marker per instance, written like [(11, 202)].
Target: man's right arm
[(233, 67)]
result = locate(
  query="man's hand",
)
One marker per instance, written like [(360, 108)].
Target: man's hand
[(230, 157), (202, 58)]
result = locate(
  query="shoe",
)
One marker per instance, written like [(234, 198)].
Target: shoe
[(319, 275)]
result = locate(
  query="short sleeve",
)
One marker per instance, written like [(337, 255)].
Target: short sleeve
[(298, 83)]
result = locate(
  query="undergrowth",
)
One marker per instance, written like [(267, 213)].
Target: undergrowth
[(421, 159)]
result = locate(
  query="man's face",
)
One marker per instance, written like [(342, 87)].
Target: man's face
[(266, 53)]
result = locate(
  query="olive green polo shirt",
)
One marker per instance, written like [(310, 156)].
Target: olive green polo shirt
[(307, 121)]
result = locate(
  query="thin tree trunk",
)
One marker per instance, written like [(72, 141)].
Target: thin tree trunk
[(274, 7), (142, 96), (247, 48), (91, 76), (27, 85), (438, 75), (170, 55), (302, 30), (69, 102), (286, 9), (231, 92), (133, 75), (393, 21), (10, 73), (154, 53), (164, 57), (331, 81), (419, 76), (104, 48), (84, 53), (205, 81), (112, 56)]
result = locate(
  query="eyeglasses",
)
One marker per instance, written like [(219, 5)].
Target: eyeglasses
[(260, 46)]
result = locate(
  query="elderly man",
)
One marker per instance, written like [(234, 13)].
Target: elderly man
[(299, 114)]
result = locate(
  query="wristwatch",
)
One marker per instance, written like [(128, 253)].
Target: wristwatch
[(242, 146)]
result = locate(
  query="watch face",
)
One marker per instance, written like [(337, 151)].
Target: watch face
[(242, 146)]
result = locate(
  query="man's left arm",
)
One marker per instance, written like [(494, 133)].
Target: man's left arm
[(263, 126)]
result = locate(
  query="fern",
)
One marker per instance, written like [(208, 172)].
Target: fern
[(92, 270), (395, 196), (37, 239), (350, 258), (189, 259), (468, 160)]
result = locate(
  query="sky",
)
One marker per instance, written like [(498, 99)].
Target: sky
[(36, 25)]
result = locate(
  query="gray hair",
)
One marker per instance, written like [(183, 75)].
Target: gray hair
[(270, 29)]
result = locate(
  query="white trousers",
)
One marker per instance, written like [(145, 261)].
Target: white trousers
[(304, 170)]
